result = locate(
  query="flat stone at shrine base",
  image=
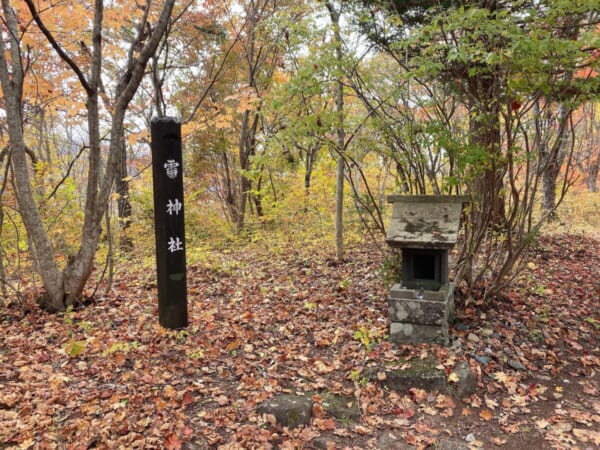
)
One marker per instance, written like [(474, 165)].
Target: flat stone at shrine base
[(440, 295), (290, 411), (429, 375), (417, 373), (411, 333), (342, 408)]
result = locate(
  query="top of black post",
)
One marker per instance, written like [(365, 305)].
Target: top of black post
[(164, 119)]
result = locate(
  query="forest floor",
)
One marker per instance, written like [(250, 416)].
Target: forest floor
[(264, 322)]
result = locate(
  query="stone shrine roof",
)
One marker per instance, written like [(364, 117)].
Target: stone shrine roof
[(425, 221)]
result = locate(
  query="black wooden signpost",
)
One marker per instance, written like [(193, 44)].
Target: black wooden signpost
[(169, 222)]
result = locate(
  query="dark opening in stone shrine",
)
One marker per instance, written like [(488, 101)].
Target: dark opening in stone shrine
[(424, 269)]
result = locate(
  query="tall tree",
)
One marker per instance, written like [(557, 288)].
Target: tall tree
[(334, 14), (86, 61), (499, 59)]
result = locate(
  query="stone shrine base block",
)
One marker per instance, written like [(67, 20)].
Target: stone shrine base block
[(420, 320)]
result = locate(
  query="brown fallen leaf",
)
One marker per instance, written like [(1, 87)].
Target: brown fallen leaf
[(188, 399), (172, 442), (486, 414)]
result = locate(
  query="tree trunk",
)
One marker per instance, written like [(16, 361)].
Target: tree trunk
[(484, 125), (552, 160), (591, 181), (341, 135), (65, 287), (3, 290), (123, 200), (12, 86)]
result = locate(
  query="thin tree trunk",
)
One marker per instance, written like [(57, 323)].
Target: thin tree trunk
[(485, 132), (12, 85), (3, 290), (63, 288), (341, 135), (123, 200), (552, 161)]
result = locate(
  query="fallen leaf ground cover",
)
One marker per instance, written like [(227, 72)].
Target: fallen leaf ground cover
[(264, 322)]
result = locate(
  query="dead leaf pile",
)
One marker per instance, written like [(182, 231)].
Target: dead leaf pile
[(108, 376)]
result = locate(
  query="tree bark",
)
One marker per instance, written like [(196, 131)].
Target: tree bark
[(552, 160), (65, 287), (123, 200), (484, 125), (341, 135), (12, 78)]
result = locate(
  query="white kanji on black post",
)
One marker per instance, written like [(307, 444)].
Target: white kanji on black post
[(167, 171), (172, 168), (173, 207), (175, 245)]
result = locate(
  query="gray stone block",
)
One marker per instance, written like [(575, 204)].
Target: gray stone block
[(440, 295), (417, 373), (289, 410), (423, 312), (342, 408), (409, 333), (467, 382)]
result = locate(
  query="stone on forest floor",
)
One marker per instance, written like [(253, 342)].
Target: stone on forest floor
[(195, 444), (467, 382), (427, 374), (391, 440), (344, 409), (516, 365), (418, 373), (451, 444), (324, 442), (289, 411)]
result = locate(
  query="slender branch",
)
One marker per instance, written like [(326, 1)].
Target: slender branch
[(64, 178), (63, 55)]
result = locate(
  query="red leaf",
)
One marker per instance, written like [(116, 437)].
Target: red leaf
[(188, 399), (172, 442)]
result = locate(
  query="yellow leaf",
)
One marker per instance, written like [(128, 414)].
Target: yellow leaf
[(453, 377), (501, 377), (280, 77)]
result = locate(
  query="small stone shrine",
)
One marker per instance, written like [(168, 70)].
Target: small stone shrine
[(423, 229)]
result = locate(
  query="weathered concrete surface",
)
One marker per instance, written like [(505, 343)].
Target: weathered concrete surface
[(419, 373), (415, 321), (344, 409), (393, 441), (425, 221), (409, 333), (421, 312), (467, 382), (290, 411), (440, 295)]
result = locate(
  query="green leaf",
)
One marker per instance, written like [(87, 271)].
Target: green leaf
[(74, 348)]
